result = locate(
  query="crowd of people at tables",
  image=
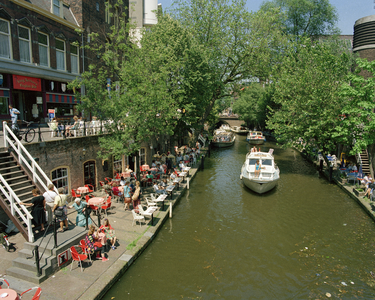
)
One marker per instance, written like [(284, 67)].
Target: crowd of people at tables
[(96, 239)]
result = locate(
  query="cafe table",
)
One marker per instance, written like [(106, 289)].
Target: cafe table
[(96, 201), (83, 190), (8, 294), (187, 169), (170, 189), (161, 198), (182, 174), (177, 181), (149, 212)]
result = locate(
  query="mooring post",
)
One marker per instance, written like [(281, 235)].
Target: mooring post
[(187, 183), (170, 209)]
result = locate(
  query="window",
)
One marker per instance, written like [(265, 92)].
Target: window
[(4, 39), (59, 178), (107, 13), (74, 59), (117, 165), (4, 105), (142, 156), (43, 49), (60, 55), (97, 6), (56, 7), (25, 45)]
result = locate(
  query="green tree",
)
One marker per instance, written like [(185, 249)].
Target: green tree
[(240, 44), (312, 18), (307, 102), (252, 105), (149, 84), (357, 122)]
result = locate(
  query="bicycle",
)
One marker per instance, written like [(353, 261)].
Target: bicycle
[(4, 241), (28, 133)]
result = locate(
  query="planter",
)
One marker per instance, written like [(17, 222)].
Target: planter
[(358, 193)]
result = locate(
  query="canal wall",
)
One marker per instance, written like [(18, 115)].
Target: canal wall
[(107, 279), (365, 203)]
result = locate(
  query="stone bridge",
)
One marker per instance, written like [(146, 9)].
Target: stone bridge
[(232, 121)]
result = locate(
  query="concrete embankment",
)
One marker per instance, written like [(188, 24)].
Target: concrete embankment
[(365, 203)]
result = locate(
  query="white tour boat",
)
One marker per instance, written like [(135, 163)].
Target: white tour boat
[(223, 139), (268, 176), (240, 129), (255, 137), (225, 127)]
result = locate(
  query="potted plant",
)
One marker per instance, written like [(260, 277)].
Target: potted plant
[(358, 190), (343, 178)]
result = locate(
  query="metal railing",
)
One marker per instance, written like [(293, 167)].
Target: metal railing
[(31, 166)]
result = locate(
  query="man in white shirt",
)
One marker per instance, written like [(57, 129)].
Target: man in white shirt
[(158, 190), (49, 196)]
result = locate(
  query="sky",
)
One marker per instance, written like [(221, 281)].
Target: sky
[(349, 11)]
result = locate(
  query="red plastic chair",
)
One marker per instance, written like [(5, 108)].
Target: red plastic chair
[(2, 280), (118, 176), (108, 179), (91, 188), (82, 244), (117, 195), (36, 295), (149, 181), (107, 206), (75, 194), (77, 257)]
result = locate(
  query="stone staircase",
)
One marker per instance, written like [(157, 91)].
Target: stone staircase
[(24, 266), (21, 184)]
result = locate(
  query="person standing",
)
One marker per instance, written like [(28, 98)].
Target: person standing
[(60, 203), (38, 213), (127, 198), (14, 112), (50, 198)]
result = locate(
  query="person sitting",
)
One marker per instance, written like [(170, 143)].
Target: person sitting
[(159, 190), (109, 233), (72, 127), (153, 164), (54, 125), (149, 175), (370, 189), (122, 181), (93, 246), (257, 169), (115, 189)]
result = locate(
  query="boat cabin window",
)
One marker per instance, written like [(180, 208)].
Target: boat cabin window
[(264, 162)]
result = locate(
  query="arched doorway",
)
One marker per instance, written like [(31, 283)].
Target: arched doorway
[(89, 173)]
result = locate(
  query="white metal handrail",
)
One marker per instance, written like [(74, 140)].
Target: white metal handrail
[(24, 158), (11, 196)]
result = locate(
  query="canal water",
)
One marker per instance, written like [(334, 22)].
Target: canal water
[(306, 239)]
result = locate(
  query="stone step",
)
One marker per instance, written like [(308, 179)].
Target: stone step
[(23, 274)]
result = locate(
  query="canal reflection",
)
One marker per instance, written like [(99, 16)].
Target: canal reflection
[(305, 239)]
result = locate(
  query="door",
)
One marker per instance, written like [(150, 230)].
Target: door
[(89, 173)]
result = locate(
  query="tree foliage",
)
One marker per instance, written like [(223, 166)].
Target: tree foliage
[(308, 105), (150, 84), (357, 126), (252, 105), (312, 18), (240, 44)]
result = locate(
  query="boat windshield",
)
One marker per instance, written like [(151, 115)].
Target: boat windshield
[(265, 162)]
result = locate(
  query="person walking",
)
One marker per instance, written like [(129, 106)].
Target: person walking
[(50, 198), (14, 112)]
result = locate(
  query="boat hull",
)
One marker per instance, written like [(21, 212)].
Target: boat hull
[(222, 144), (259, 186), (256, 141), (240, 132)]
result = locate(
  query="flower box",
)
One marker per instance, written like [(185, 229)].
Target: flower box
[(359, 192)]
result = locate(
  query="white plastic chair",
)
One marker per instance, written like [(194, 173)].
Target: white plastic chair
[(150, 203), (144, 213), (138, 218)]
